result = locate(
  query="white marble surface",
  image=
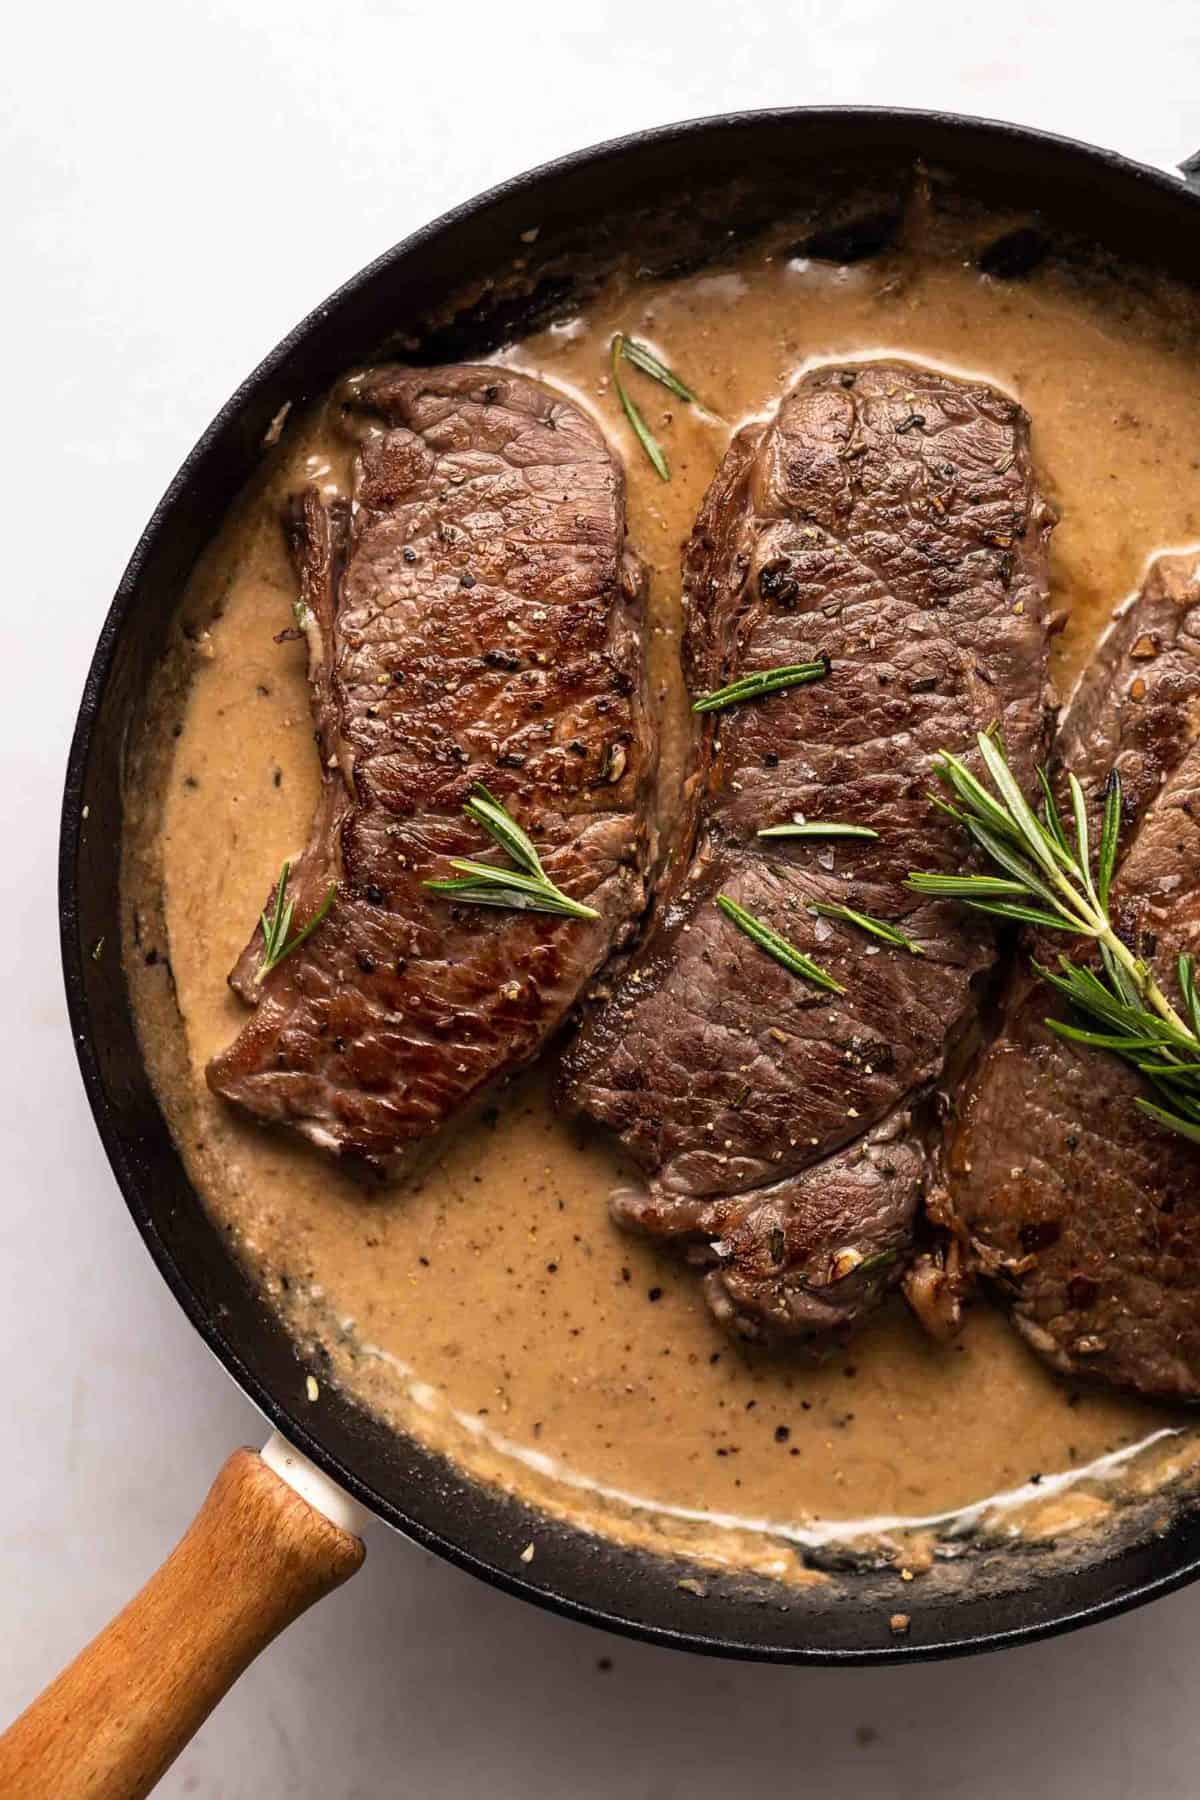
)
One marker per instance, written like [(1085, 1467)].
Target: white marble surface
[(180, 183)]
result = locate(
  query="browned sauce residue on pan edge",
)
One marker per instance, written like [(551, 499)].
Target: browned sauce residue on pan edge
[(491, 1308)]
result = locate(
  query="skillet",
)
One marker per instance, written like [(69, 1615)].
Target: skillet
[(449, 291)]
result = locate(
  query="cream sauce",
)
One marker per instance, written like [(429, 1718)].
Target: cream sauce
[(489, 1306)]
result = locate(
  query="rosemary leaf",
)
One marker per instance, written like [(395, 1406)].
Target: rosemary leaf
[(277, 925), (1187, 987), (986, 894), (952, 812), (975, 797), (1083, 988), (1048, 882), (506, 888), (1053, 821), (963, 887), (1119, 979), (1025, 915), (1162, 1068), (1110, 834), (643, 358), (763, 681), (1019, 867), (1100, 1040), (817, 828), (1188, 1128), (890, 934), (484, 809), (778, 947), (1022, 820), (527, 888), (1083, 852), (641, 430)]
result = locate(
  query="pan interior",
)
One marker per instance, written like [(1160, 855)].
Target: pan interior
[(646, 255)]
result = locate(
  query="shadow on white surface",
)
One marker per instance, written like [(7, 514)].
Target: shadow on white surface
[(417, 1680)]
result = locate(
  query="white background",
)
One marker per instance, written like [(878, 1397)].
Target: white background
[(179, 183)]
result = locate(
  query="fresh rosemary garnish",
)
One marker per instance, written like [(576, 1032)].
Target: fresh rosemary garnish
[(276, 925), (817, 828), (643, 358), (630, 351), (776, 946), (1167, 1051), (890, 934), (764, 681), (1048, 881), (527, 888)]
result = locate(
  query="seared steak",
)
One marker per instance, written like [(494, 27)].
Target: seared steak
[(474, 618), (887, 518), (1084, 1212)]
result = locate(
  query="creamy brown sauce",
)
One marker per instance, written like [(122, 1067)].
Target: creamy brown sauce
[(490, 1306)]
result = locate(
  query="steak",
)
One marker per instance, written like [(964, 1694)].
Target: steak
[(886, 518), (1084, 1213), (472, 617)]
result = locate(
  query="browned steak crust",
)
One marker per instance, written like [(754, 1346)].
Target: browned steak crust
[(475, 618), (1084, 1212), (887, 517)]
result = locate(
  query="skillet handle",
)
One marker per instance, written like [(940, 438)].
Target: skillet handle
[(254, 1558)]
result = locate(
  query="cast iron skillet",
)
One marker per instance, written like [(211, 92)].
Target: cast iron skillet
[(730, 174)]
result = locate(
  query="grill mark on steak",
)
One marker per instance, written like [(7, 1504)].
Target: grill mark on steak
[(474, 616), (1084, 1213), (888, 517)]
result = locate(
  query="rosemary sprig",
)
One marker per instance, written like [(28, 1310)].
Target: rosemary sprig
[(778, 947), (890, 934), (641, 430), (763, 681), (277, 925), (527, 888), (1167, 1057), (1047, 880), (626, 349), (817, 828)]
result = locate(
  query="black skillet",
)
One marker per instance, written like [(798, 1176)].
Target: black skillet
[(682, 196)]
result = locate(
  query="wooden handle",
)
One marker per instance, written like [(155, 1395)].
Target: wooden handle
[(254, 1558)]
